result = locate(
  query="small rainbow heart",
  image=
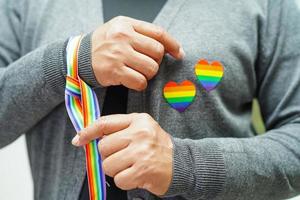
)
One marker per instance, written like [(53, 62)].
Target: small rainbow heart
[(209, 75), (180, 96)]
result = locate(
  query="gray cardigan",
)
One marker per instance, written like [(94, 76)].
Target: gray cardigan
[(216, 153)]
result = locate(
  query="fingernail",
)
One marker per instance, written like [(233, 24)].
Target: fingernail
[(181, 53), (75, 140)]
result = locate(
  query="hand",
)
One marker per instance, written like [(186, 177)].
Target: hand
[(135, 150), (128, 52)]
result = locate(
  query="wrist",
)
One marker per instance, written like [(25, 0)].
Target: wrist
[(85, 68), (198, 169), (54, 66)]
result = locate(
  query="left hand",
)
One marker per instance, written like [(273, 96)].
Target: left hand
[(135, 150)]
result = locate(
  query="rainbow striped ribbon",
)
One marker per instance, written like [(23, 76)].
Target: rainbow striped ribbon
[(83, 109)]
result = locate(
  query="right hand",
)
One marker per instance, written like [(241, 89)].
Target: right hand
[(128, 52)]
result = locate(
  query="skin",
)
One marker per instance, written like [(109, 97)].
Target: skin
[(136, 151), (128, 52)]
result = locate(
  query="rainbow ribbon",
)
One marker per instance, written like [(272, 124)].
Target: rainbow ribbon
[(83, 109)]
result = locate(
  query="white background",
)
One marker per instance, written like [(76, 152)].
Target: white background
[(15, 177)]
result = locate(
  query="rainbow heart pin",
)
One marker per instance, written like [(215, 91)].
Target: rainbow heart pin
[(180, 96), (209, 75)]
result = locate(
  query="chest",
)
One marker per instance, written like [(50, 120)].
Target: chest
[(223, 31)]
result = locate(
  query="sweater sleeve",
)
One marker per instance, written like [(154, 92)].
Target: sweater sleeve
[(31, 86), (265, 166)]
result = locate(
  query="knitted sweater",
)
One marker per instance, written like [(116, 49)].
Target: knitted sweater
[(216, 152)]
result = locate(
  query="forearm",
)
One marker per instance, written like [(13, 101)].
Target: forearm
[(33, 86), (262, 167), (29, 89)]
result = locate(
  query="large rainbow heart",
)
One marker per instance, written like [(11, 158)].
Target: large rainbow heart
[(209, 75), (180, 96)]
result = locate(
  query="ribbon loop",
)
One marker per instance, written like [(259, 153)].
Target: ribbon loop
[(83, 109)]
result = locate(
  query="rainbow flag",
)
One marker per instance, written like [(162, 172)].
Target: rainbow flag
[(83, 109)]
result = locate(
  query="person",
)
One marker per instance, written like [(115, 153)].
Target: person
[(151, 150)]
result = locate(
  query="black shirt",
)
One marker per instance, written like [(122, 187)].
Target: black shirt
[(115, 101)]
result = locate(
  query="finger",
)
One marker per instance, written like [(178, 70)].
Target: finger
[(133, 79), (148, 46), (141, 63), (117, 162), (151, 30), (114, 143), (125, 180), (103, 126)]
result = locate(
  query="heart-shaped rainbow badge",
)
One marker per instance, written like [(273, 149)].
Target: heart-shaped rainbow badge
[(180, 96), (209, 75)]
